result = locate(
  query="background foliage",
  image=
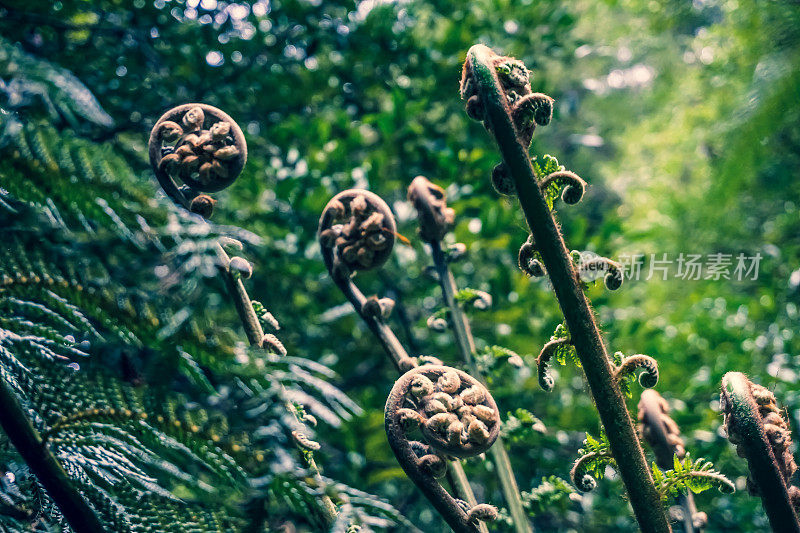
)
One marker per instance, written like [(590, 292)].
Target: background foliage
[(682, 116)]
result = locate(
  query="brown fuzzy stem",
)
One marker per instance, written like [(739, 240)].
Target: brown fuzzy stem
[(466, 345), (585, 336)]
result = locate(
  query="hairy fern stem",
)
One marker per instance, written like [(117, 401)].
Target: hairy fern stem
[(585, 336)]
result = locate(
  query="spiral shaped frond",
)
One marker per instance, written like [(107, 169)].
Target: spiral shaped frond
[(356, 232), (529, 260), (593, 458), (483, 512), (502, 181), (574, 185), (437, 323), (648, 378), (592, 265), (430, 201), (375, 307), (200, 146), (546, 380), (579, 473), (456, 416), (527, 109)]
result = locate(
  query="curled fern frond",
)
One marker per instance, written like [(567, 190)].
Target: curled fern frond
[(546, 380), (529, 260), (754, 424), (204, 159), (430, 201), (357, 232), (480, 300), (438, 321), (482, 512), (589, 265), (456, 416), (595, 455), (573, 185), (648, 378), (501, 180)]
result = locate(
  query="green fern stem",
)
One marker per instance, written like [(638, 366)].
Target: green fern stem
[(744, 418), (255, 335), (585, 336), (466, 345), (28, 442)]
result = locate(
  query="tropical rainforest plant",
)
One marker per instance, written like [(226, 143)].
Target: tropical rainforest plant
[(113, 425), (497, 91), (357, 232), (684, 120)]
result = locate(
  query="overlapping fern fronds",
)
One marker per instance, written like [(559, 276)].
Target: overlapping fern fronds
[(160, 415)]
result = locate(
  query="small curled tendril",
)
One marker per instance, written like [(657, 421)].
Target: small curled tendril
[(309, 419), (240, 267), (528, 259), (200, 146), (437, 323), (574, 188), (580, 474), (527, 109), (502, 181), (457, 417), (613, 276), (430, 201), (546, 381), (356, 232), (271, 343), (648, 378), (483, 512)]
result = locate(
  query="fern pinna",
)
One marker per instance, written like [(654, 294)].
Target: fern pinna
[(134, 407)]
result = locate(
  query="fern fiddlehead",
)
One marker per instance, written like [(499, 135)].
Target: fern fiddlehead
[(209, 160), (664, 437), (435, 221), (761, 435), (204, 159), (496, 86), (456, 417), (356, 220), (357, 232)]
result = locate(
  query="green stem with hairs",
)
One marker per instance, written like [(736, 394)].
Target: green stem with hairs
[(610, 403), (761, 461), (466, 345), (45, 466)]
